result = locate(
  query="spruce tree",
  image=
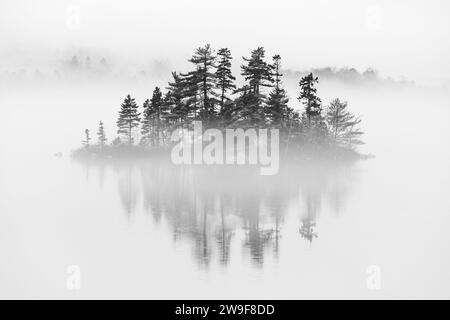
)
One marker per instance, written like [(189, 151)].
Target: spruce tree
[(277, 108), (225, 79), (160, 112), (313, 125), (167, 103), (309, 97), (128, 118), (342, 124), (87, 138), (155, 112), (148, 123), (101, 136)]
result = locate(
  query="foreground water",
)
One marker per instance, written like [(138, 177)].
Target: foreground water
[(139, 229)]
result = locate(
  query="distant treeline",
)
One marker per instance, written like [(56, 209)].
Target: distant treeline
[(208, 93), (82, 65), (349, 75)]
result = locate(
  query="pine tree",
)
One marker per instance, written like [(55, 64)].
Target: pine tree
[(277, 109), (205, 79), (225, 79), (87, 139), (313, 125), (248, 112), (148, 123), (101, 136), (160, 113), (128, 118), (309, 97), (191, 95), (155, 112), (167, 103), (342, 124), (175, 100), (257, 73)]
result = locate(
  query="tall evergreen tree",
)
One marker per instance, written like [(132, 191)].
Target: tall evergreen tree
[(205, 78), (155, 112), (167, 103), (309, 97), (276, 66), (247, 111), (128, 118), (192, 94), (160, 113), (313, 126), (257, 73), (225, 79), (87, 138), (342, 124), (101, 135), (175, 100), (148, 123), (277, 108)]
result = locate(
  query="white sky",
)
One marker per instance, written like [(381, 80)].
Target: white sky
[(399, 37)]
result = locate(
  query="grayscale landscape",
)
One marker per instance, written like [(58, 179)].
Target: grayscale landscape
[(136, 225)]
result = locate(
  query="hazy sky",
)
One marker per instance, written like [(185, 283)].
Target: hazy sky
[(400, 37)]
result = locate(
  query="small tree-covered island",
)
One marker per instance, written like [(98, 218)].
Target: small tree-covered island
[(308, 128)]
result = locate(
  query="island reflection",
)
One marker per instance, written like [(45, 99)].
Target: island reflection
[(208, 206)]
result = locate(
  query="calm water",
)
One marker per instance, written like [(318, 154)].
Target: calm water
[(143, 229)]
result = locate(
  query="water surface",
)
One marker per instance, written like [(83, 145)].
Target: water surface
[(145, 229)]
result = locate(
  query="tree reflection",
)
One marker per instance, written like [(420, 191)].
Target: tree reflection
[(224, 233), (208, 206), (128, 188)]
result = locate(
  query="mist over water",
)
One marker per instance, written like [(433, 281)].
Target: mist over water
[(150, 229), (146, 228)]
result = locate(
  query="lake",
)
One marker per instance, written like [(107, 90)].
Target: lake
[(377, 228)]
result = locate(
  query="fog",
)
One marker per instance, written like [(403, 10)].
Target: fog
[(150, 229), (117, 221), (401, 38)]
